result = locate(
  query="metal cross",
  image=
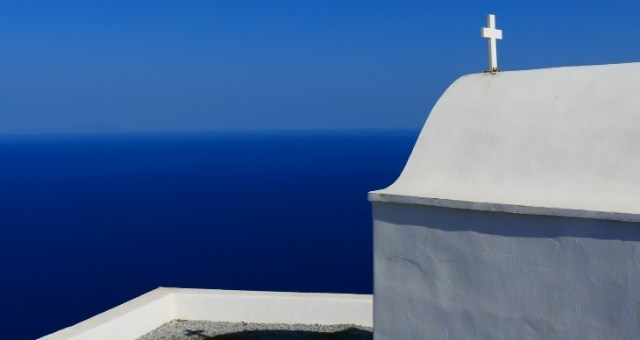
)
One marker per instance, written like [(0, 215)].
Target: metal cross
[(492, 34)]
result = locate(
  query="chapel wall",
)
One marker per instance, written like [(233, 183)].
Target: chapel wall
[(462, 274)]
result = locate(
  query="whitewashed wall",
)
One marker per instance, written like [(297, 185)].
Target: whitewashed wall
[(443, 273), (518, 212)]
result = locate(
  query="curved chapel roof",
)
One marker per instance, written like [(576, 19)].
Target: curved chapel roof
[(559, 141)]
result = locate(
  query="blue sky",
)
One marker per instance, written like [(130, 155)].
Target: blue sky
[(128, 66)]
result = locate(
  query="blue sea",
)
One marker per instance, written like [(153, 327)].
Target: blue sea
[(89, 222)]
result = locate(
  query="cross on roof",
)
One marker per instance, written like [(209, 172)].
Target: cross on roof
[(492, 34)]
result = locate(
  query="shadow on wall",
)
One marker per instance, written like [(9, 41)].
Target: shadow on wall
[(505, 224)]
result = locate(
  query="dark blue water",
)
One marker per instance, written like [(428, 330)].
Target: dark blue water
[(89, 222)]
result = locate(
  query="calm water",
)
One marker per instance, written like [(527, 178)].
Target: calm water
[(90, 222)]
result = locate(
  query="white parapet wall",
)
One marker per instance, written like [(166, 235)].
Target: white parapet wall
[(517, 215), (149, 311)]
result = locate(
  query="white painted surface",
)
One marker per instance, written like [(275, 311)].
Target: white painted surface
[(127, 321), (517, 215), (274, 307), (147, 312), (492, 35), (443, 273), (560, 142)]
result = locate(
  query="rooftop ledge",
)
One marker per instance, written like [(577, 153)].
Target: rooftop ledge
[(151, 310), (380, 197)]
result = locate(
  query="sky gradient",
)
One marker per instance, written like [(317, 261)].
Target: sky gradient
[(139, 66)]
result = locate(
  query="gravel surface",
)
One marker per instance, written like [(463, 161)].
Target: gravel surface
[(199, 330)]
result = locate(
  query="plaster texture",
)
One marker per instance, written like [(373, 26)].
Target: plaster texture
[(443, 273), (517, 215), (560, 141)]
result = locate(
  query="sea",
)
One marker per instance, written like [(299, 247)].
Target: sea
[(91, 221)]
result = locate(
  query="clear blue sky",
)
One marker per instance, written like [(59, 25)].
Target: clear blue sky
[(101, 66)]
